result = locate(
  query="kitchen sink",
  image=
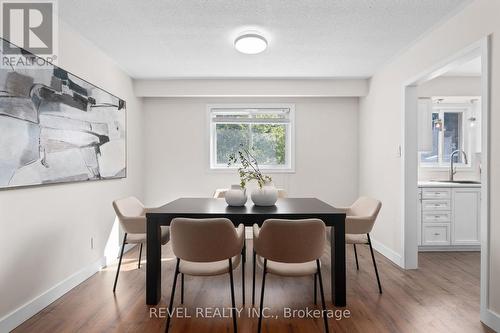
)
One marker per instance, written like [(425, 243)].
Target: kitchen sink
[(457, 181)]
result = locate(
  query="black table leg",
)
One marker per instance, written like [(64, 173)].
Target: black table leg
[(153, 261), (338, 275)]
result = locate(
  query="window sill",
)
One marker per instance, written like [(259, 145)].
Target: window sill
[(264, 171), (446, 167)]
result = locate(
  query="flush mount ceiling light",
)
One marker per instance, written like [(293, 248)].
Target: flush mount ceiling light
[(250, 43)]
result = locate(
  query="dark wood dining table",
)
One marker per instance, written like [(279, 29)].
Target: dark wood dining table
[(286, 208)]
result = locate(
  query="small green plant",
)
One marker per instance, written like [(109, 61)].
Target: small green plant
[(249, 167)]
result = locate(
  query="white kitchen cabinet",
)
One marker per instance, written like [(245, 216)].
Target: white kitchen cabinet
[(449, 218), (436, 234), (466, 216)]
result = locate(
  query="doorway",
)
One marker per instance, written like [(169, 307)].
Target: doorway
[(438, 155)]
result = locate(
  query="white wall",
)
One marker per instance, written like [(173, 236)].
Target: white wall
[(176, 148), (46, 230), (380, 124), (451, 86)]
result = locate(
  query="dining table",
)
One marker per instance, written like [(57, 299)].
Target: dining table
[(249, 214)]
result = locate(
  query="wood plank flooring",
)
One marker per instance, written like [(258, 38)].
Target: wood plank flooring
[(441, 296)]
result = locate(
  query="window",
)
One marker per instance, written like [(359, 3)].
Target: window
[(449, 133), (266, 129)]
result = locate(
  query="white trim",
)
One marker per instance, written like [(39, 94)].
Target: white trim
[(290, 165), (28, 310), (491, 319), (485, 45), (449, 248), (387, 252), (409, 182)]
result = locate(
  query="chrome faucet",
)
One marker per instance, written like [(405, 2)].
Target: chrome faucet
[(453, 170)]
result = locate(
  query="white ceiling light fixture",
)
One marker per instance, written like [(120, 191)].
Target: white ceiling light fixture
[(250, 43)]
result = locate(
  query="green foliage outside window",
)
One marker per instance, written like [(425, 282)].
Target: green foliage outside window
[(266, 141)]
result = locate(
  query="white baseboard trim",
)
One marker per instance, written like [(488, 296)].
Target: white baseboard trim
[(28, 310), (387, 252), (449, 248), (492, 320)]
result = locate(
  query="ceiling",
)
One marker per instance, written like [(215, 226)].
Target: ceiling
[(320, 38), (471, 68)]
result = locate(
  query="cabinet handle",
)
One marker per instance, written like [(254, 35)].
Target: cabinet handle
[(437, 216), (436, 234)]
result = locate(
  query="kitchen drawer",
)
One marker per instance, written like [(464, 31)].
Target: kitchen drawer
[(438, 216), (436, 234), (432, 205), (436, 193)]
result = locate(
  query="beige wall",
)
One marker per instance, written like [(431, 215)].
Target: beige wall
[(46, 230), (380, 123), (176, 149)]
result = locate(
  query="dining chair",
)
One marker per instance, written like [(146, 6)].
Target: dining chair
[(359, 222), (290, 248), (221, 192), (132, 217), (207, 247)]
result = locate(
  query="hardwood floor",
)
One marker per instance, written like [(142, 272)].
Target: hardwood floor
[(442, 296)]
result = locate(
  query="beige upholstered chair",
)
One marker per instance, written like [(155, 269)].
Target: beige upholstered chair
[(132, 216), (207, 247), (360, 218), (290, 248), (221, 192)]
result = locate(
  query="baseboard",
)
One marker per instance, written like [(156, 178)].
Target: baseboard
[(458, 248), (387, 252), (492, 320), (28, 310)]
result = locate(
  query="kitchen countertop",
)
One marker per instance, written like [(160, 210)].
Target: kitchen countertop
[(445, 184)]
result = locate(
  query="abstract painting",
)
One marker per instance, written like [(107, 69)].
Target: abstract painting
[(56, 127)]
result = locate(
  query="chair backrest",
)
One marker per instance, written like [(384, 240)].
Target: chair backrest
[(361, 215), (282, 193), (131, 214), (204, 240), (221, 193), (291, 241)]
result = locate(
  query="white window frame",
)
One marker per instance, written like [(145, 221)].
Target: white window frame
[(466, 136), (289, 166)]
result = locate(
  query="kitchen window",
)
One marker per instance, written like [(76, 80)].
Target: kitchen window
[(267, 130), (449, 133)]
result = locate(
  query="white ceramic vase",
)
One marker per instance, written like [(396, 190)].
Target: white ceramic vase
[(236, 196), (265, 196)]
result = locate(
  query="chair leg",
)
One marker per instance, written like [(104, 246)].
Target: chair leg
[(323, 304), (253, 277), (120, 261), (264, 273), (315, 288), (233, 303), (374, 264), (244, 260), (171, 304), (182, 288), (356, 256), (140, 256)]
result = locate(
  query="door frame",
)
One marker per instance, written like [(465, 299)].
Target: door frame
[(409, 161)]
